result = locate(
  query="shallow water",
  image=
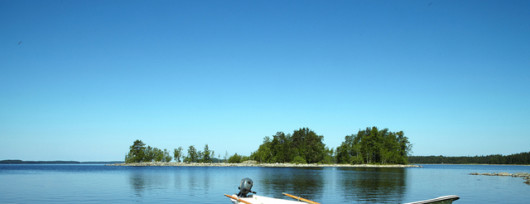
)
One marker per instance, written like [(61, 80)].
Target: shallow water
[(108, 184)]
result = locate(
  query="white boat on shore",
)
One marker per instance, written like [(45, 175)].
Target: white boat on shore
[(255, 199), (245, 187)]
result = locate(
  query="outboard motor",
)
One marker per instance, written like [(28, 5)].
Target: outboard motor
[(245, 187)]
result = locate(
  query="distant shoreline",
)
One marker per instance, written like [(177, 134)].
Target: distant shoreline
[(260, 165), (56, 162), (419, 164), (121, 163)]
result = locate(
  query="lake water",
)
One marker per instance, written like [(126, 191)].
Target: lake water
[(107, 184)]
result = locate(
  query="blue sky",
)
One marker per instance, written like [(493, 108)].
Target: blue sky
[(81, 80)]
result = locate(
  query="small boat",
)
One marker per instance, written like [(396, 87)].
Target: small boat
[(246, 184)]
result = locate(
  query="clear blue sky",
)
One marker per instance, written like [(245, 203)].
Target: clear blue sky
[(81, 80)]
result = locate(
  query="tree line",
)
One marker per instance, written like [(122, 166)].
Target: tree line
[(138, 152), (303, 146), (369, 146), (520, 158), (374, 146)]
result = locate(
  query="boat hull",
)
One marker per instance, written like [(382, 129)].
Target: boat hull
[(255, 199)]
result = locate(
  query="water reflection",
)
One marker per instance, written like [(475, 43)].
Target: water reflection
[(304, 182), (329, 185), (105, 184), (198, 180), (374, 185), (141, 181)]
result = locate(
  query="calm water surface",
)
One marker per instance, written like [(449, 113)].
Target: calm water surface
[(105, 184)]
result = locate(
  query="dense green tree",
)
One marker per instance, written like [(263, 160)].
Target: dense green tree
[(167, 156), (343, 153), (307, 144), (177, 154), (264, 153), (193, 155), (328, 157), (206, 155), (235, 158), (199, 157), (405, 147), (370, 142), (136, 152), (159, 154), (374, 146), (349, 152), (149, 155), (299, 160), (304, 145), (282, 148), (276, 150)]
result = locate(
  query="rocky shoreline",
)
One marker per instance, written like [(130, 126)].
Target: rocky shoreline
[(255, 164), (525, 176)]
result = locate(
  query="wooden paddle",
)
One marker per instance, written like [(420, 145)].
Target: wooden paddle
[(300, 198), (237, 199)]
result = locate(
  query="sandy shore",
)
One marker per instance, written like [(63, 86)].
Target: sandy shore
[(250, 164)]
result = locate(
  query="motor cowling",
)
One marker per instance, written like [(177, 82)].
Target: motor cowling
[(245, 187)]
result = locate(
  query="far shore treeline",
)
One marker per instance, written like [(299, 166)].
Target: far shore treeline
[(520, 158), (17, 161), (368, 146)]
